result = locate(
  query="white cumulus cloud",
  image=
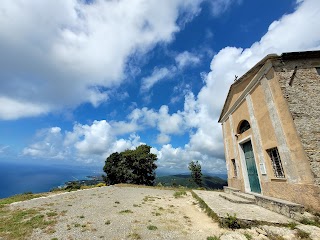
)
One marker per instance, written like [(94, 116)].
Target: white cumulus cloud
[(156, 76), (57, 54), (186, 58), (297, 31)]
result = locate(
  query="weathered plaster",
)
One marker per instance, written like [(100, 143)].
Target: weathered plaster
[(256, 135), (277, 126)]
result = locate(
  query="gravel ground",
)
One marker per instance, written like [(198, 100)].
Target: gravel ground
[(126, 212), (122, 213)]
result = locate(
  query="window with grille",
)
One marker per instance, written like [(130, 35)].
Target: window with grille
[(234, 167), (276, 162)]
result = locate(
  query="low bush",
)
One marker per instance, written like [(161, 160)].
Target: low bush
[(100, 185), (231, 221), (152, 227), (179, 194)]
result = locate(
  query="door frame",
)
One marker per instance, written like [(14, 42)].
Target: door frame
[(244, 165)]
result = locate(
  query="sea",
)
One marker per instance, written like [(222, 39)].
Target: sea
[(17, 178)]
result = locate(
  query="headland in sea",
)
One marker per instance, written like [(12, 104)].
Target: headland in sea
[(17, 177)]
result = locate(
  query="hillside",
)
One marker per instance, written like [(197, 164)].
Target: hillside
[(209, 182)]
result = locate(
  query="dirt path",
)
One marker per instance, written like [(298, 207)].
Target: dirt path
[(123, 213)]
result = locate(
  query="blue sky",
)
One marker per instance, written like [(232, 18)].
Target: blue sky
[(82, 79)]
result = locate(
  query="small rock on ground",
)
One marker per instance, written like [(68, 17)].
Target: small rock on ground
[(312, 230), (285, 233), (233, 236)]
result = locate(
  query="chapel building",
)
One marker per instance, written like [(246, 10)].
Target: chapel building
[(271, 129)]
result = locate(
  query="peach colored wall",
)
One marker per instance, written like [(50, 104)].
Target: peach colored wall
[(279, 188), (267, 134), (238, 89)]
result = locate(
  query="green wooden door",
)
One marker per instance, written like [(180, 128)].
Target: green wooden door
[(251, 168)]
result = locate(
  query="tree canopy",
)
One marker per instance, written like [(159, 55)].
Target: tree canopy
[(196, 173), (131, 166)]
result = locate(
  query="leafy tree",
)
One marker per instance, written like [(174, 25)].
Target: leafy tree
[(196, 173), (131, 166)]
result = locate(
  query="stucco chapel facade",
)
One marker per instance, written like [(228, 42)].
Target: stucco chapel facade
[(271, 129)]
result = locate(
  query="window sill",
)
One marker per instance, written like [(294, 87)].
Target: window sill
[(278, 179)]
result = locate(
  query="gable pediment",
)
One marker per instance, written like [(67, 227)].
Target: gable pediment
[(239, 89)]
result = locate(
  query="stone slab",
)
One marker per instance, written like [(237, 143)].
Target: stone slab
[(249, 212), (235, 199), (245, 196)]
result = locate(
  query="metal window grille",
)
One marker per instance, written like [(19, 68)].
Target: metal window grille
[(276, 162), (234, 167)]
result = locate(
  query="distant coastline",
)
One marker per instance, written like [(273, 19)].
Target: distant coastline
[(17, 178)]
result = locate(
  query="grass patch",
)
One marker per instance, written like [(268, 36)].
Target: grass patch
[(51, 214), (315, 222), (152, 227), (135, 236), (179, 194), (19, 224), (19, 197), (302, 234), (149, 199), (247, 235), (213, 238), (292, 225), (125, 211)]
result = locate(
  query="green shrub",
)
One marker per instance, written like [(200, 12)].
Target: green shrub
[(179, 194), (152, 227), (231, 221), (72, 186), (100, 185)]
